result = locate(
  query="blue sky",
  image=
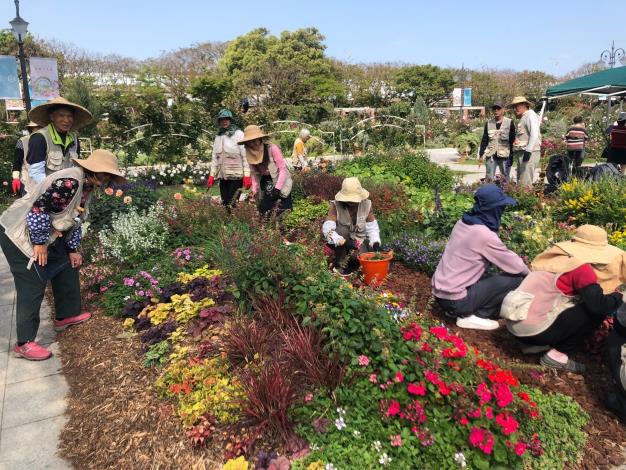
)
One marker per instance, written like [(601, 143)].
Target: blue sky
[(554, 36)]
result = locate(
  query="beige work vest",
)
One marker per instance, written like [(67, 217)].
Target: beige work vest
[(344, 220), (273, 169), (14, 218), (55, 160), (499, 143)]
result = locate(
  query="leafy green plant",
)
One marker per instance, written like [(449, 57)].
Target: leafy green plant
[(103, 206), (466, 143), (157, 354), (304, 212)]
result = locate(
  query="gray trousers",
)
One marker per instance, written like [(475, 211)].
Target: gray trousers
[(526, 170), (491, 163), (483, 298)]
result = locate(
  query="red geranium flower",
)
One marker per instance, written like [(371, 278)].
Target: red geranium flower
[(414, 389)]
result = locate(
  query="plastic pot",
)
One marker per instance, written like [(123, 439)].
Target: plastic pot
[(375, 270)]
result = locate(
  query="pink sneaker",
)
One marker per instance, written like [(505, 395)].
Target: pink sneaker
[(32, 351), (60, 325)]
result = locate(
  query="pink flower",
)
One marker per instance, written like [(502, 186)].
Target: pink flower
[(393, 408), (104, 289), (483, 393), (129, 281), (373, 378), (396, 441), (414, 389), (507, 422), (399, 377), (489, 412), (481, 439), (308, 397), (432, 377), (520, 448), (141, 293), (148, 293), (503, 394), (364, 360)]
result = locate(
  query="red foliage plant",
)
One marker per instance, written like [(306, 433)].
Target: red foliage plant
[(245, 339), (322, 186)]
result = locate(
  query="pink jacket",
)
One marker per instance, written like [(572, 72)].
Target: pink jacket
[(283, 173)]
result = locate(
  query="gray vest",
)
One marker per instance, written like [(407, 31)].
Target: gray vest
[(499, 143), (55, 160), (24, 176), (522, 133), (14, 218), (273, 169), (344, 220)]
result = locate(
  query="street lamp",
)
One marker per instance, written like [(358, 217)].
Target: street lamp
[(19, 28), (612, 56)]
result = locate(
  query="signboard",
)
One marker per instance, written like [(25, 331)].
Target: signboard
[(9, 82), (44, 78), (14, 105), (457, 96), (467, 96)]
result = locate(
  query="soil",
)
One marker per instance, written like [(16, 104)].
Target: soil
[(607, 436)]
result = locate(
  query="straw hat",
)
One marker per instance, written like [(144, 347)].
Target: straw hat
[(519, 100), (590, 245), (351, 191), (39, 114), (102, 161), (32, 124), (252, 132)]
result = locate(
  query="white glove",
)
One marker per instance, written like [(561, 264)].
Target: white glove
[(373, 232), (332, 237)]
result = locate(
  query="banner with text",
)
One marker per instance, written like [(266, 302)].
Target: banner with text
[(44, 78), (9, 82)]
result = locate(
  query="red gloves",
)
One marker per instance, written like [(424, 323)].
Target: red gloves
[(210, 182), (16, 185), (247, 182)]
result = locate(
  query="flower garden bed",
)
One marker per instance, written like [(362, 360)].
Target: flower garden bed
[(238, 345)]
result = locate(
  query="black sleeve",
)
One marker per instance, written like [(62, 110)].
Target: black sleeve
[(18, 157), (511, 136), (483, 142), (36, 149), (596, 302)]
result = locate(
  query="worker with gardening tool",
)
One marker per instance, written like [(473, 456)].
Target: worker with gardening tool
[(569, 293), (40, 235), (351, 226), (527, 143), (460, 284), (55, 145), (20, 166), (497, 143), (271, 180), (228, 163), (299, 155)]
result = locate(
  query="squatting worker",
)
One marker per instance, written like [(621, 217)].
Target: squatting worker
[(496, 145), (460, 284), (299, 154), (567, 296), (351, 226), (617, 142), (20, 166), (229, 164), (271, 180), (527, 144), (40, 235), (55, 145)]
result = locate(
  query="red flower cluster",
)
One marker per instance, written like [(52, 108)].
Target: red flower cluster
[(414, 389), (482, 439), (507, 422), (413, 332)]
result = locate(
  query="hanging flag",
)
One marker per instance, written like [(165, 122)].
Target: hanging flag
[(44, 78), (9, 82), (14, 105)]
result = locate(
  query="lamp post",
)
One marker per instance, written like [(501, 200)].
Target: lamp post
[(19, 28), (612, 56)]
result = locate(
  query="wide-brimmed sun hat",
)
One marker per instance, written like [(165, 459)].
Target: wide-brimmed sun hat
[(519, 100), (32, 124), (351, 191), (252, 132), (491, 195), (590, 244), (102, 161), (40, 114)]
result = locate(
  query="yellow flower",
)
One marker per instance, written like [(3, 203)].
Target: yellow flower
[(236, 464), (317, 465), (129, 324)]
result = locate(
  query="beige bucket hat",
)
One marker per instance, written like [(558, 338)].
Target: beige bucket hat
[(519, 100), (252, 132), (351, 191), (102, 161), (590, 244), (40, 114)]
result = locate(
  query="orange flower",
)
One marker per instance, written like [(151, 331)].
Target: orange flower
[(119, 193), (108, 191), (178, 196), (128, 200)]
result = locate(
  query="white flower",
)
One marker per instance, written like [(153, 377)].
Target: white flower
[(356, 433), (384, 459), (460, 459), (377, 446), (314, 447), (330, 466), (161, 183), (153, 177), (127, 297), (341, 411), (340, 423)]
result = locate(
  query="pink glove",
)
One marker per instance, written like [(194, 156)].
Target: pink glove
[(247, 182), (16, 185), (210, 182)]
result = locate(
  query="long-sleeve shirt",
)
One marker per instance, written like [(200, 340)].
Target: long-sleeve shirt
[(575, 138), (229, 158), (485, 140), (37, 153), (531, 126), (256, 171), (469, 252)]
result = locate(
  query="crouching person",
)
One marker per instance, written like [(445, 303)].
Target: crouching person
[(570, 291), (616, 349), (459, 284), (351, 227)]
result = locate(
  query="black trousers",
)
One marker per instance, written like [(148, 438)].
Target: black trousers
[(483, 298), (568, 331), (577, 157), (268, 203), (229, 191)]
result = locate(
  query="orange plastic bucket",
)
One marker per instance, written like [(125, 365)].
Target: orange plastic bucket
[(375, 270)]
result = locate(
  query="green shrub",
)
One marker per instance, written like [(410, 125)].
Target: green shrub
[(102, 206), (304, 212)]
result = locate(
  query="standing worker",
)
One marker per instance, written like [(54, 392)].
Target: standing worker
[(617, 142), (299, 155), (229, 163), (575, 140), (20, 166), (527, 144), (53, 147), (497, 143)]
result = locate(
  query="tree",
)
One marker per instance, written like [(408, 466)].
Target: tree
[(367, 84), (430, 82), (212, 90)]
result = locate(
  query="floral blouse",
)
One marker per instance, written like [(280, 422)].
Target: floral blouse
[(56, 199)]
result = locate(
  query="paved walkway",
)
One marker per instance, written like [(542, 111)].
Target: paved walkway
[(32, 394)]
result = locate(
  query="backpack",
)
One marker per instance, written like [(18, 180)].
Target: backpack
[(558, 171), (604, 170)]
